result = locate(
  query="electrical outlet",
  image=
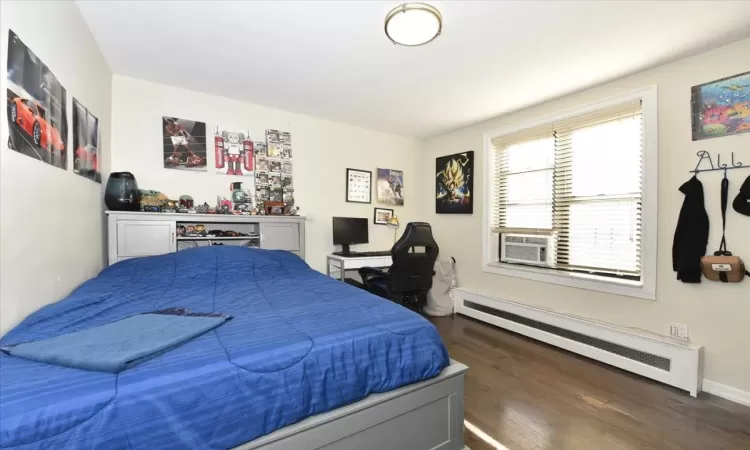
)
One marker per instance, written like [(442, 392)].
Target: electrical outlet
[(679, 331)]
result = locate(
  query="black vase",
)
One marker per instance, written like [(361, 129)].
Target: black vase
[(122, 192)]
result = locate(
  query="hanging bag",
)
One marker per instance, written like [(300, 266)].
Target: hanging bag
[(723, 266)]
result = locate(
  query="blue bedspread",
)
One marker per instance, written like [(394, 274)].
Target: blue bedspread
[(300, 344)]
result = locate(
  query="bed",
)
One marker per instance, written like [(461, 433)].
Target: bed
[(306, 362)]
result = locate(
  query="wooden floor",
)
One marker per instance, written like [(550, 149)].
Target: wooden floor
[(527, 395)]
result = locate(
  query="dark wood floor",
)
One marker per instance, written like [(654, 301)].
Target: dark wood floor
[(528, 395)]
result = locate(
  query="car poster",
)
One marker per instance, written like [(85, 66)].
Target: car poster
[(37, 116), (184, 144), (85, 142)]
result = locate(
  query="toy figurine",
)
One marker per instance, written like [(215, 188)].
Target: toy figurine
[(202, 209), (200, 230), (234, 150), (186, 202)]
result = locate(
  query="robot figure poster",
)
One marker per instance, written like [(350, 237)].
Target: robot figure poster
[(234, 152), (184, 144)]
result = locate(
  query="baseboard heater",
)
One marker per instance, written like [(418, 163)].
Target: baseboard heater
[(657, 357)]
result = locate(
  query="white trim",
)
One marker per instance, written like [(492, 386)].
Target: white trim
[(647, 289), (727, 392), (685, 358)]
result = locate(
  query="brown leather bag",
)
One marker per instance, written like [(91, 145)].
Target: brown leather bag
[(723, 266)]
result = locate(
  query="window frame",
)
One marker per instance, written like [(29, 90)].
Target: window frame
[(646, 288)]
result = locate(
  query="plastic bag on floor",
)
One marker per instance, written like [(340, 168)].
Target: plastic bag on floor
[(440, 297)]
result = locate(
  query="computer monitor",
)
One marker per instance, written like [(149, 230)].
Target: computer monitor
[(349, 230)]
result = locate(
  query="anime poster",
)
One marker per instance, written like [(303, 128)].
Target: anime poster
[(721, 107), (184, 144), (235, 152), (37, 115), (390, 187), (85, 142), (454, 183)]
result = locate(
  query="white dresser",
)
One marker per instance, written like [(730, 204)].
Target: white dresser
[(135, 234)]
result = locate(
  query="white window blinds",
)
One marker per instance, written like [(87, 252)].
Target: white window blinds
[(579, 181)]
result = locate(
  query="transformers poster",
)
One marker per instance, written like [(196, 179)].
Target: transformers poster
[(234, 152), (85, 143), (390, 187), (184, 144), (454, 183), (36, 102)]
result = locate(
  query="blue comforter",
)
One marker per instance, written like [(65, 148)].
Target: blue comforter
[(300, 344)]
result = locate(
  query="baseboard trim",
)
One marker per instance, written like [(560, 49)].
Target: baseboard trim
[(726, 392)]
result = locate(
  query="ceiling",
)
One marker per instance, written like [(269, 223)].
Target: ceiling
[(332, 59)]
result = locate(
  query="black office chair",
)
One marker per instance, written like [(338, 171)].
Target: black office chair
[(410, 275)]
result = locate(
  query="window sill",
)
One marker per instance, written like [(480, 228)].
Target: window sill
[(576, 280)]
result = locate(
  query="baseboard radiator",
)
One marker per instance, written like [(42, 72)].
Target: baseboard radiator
[(660, 358)]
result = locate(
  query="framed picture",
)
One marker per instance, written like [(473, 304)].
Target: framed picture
[(183, 144), (382, 216), (358, 186), (390, 187), (721, 107), (454, 184)]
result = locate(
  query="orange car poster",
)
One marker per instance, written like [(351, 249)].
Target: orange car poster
[(85, 142), (37, 117)]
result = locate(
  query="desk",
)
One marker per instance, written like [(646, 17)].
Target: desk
[(344, 263)]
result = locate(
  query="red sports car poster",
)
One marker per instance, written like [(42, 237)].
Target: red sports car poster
[(85, 142), (37, 117), (184, 144)]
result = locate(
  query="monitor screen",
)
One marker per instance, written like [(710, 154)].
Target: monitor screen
[(350, 230)]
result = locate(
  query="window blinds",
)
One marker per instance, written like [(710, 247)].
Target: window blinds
[(579, 181)]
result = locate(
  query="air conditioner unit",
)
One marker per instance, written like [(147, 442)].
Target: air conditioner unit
[(525, 249)]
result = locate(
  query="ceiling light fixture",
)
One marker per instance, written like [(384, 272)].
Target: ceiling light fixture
[(413, 24)]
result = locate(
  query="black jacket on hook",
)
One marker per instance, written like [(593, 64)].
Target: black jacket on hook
[(691, 235)]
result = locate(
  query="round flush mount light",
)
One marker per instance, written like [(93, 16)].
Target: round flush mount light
[(413, 24)]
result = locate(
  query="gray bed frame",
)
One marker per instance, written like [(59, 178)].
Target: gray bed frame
[(420, 416)]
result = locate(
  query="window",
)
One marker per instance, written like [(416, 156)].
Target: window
[(577, 184)]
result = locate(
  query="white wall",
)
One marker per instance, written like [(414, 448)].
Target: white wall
[(322, 150), (51, 221), (717, 314)]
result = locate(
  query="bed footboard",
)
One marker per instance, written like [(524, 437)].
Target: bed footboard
[(425, 415)]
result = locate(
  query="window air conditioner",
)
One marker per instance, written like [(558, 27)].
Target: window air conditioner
[(525, 249)]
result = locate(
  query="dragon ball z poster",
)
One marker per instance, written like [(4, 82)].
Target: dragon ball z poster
[(36, 103), (721, 107), (454, 183)]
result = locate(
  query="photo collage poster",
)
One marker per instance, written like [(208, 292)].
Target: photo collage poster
[(183, 144), (36, 102), (85, 142), (274, 168)]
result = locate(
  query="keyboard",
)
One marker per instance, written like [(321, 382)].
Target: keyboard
[(363, 254)]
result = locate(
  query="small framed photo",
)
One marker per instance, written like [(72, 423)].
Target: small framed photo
[(358, 186), (382, 216)]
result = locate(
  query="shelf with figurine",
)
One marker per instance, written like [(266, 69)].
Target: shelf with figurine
[(217, 238)]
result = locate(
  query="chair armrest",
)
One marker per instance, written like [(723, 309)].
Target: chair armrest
[(367, 273)]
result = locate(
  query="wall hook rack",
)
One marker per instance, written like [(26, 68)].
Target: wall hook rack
[(704, 155)]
